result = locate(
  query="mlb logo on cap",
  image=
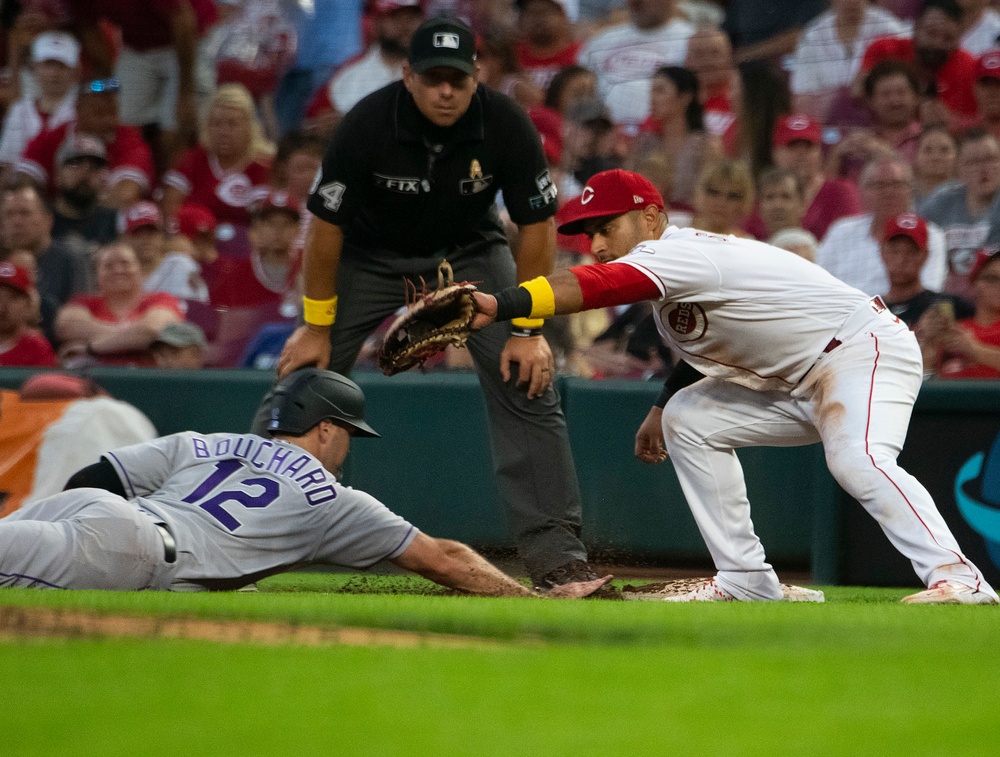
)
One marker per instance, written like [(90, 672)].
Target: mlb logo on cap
[(447, 40), (907, 225)]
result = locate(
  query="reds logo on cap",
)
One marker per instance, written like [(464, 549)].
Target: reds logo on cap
[(798, 123), (989, 66), (907, 221), (587, 196)]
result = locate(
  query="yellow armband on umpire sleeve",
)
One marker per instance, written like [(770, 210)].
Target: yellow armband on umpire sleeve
[(543, 299), (319, 312)]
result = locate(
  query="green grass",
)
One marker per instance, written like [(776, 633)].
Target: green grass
[(859, 675)]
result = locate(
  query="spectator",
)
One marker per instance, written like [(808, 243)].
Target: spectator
[(20, 345), (26, 224), (799, 241), (118, 325), (798, 147), (945, 72), (904, 253), (228, 171), (268, 275), (625, 56), (80, 221), (55, 62), (328, 34), (545, 39), (850, 250), (676, 130), (768, 29), (970, 348), (936, 161), (165, 267), (196, 224), (264, 349), (987, 89), (570, 84), (296, 163), (710, 58), (980, 26), (129, 160), (969, 210), (382, 63), (156, 62), (589, 142), (179, 346), (782, 201), (723, 197), (828, 55)]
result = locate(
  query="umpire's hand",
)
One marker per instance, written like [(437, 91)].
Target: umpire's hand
[(308, 345), (536, 367)]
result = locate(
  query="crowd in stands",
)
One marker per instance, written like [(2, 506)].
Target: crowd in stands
[(155, 166)]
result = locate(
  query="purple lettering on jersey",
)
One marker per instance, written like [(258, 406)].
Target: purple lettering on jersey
[(280, 455), (312, 497), (223, 470), (315, 476), (270, 489), (222, 447), (245, 452), (296, 465), (257, 462), (200, 448)]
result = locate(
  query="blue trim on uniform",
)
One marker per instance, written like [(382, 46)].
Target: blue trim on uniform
[(124, 472), (32, 578)]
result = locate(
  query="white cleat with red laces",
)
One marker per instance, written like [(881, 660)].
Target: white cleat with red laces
[(951, 593), (709, 591)]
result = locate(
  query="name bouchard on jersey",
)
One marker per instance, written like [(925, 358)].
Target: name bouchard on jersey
[(274, 458)]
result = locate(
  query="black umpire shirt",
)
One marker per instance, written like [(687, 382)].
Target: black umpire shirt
[(394, 181)]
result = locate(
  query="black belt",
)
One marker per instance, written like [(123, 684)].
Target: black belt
[(169, 545)]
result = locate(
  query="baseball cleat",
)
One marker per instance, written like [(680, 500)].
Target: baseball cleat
[(790, 593), (709, 591), (950, 593)]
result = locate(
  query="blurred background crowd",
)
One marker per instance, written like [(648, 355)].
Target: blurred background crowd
[(155, 157)]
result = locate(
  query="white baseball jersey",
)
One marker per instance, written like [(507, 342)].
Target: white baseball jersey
[(742, 310), (239, 505)]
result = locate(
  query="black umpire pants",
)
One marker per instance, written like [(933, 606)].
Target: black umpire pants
[(528, 439)]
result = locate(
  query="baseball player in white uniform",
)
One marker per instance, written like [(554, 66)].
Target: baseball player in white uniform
[(194, 512), (791, 356)]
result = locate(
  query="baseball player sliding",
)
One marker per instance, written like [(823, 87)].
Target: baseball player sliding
[(193, 512), (790, 355)]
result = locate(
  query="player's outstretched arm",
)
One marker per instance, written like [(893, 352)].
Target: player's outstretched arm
[(453, 564)]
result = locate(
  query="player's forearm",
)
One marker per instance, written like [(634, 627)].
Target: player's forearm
[(536, 250), (452, 564)]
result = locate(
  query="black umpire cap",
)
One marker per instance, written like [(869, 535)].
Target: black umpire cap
[(443, 42), (308, 396)]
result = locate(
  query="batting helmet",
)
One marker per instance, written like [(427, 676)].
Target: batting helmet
[(304, 398)]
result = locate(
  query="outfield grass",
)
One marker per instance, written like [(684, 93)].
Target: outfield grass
[(859, 675)]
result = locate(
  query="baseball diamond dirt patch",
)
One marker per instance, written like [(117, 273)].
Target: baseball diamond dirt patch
[(23, 622)]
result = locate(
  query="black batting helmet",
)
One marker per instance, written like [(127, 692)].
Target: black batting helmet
[(304, 398)]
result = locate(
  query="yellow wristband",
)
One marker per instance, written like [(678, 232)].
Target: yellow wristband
[(319, 312), (543, 299), (527, 323)]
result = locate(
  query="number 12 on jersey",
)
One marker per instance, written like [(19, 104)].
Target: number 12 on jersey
[(269, 490)]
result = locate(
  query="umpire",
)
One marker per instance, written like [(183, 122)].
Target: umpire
[(410, 179)]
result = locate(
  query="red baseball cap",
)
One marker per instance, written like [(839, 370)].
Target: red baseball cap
[(609, 193), (192, 220), (988, 66), (907, 225), (549, 125), (142, 214), (387, 6), (16, 277), (275, 200), (797, 127)]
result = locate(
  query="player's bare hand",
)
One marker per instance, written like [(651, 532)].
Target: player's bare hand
[(308, 345), (536, 367), (486, 310), (649, 446), (576, 590)]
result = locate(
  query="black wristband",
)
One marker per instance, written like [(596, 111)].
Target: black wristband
[(513, 302), (525, 333)]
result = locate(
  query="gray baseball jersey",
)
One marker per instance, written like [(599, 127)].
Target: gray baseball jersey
[(240, 507)]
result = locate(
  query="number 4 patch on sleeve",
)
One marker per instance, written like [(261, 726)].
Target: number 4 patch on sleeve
[(332, 194)]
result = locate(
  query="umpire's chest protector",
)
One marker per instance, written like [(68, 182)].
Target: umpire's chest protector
[(413, 187)]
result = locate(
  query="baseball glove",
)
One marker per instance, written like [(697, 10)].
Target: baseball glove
[(432, 321)]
